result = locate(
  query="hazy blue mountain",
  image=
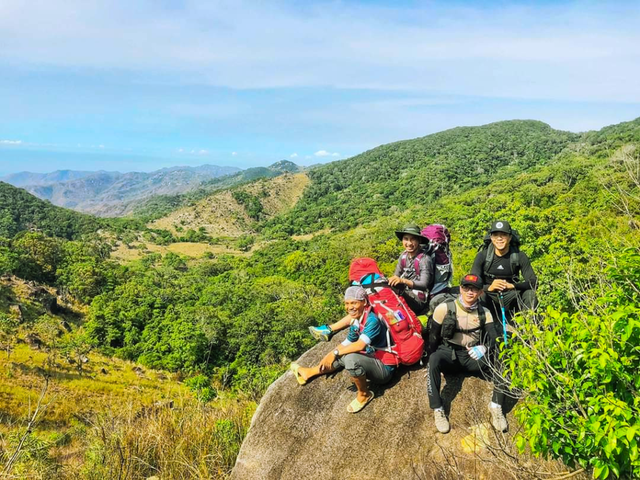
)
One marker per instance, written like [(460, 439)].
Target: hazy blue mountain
[(21, 179), (114, 193)]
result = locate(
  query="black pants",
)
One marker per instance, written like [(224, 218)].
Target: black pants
[(513, 301), (449, 360)]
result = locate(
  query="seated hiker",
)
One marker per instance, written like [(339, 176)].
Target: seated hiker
[(414, 271), (413, 277), (461, 339), (356, 354), (499, 265)]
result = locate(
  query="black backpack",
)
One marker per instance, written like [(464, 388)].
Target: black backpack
[(514, 257)]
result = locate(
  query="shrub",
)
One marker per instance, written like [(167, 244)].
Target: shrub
[(581, 374)]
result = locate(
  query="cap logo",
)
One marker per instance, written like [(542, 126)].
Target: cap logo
[(471, 278), (499, 225)]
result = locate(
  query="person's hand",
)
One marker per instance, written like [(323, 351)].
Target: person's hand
[(498, 285), (395, 280), (327, 361), (509, 286), (477, 352)]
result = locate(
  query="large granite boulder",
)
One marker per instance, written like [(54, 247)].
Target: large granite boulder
[(304, 432)]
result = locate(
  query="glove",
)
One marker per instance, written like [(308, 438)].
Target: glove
[(477, 352)]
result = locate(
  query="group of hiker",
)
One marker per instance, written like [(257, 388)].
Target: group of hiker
[(465, 323)]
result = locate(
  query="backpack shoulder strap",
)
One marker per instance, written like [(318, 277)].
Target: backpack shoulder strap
[(482, 316), (451, 310), (488, 259), (403, 260), (514, 261), (416, 262)]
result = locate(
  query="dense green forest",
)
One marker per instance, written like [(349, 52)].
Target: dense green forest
[(239, 320)]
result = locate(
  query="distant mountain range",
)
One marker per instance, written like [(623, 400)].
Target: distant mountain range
[(113, 193)]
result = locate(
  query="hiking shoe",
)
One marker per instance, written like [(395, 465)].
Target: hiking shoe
[(498, 419), (442, 424), (322, 332)]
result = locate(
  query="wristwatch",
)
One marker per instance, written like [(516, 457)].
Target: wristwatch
[(336, 353)]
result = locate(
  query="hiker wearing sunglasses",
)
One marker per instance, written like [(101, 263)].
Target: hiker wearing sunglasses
[(462, 339)]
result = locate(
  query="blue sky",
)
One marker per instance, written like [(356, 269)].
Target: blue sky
[(142, 85)]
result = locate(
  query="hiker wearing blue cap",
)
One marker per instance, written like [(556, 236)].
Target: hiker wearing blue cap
[(356, 353)]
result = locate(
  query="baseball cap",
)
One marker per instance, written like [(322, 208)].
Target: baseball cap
[(500, 226), (471, 280)]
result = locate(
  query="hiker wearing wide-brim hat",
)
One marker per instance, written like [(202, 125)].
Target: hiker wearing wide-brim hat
[(411, 229), (414, 271)]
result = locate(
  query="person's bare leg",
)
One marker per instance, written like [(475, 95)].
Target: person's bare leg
[(309, 372), (340, 324), (363, 389)]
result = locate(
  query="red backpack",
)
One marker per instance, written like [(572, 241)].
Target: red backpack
[(404, 331)]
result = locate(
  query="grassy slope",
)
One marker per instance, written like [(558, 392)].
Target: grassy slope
[(88, 418), (222, 216)]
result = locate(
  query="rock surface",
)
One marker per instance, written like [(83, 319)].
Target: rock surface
[(305, 432)]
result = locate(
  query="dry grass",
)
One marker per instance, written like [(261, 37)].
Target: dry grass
[(221, 215), (187, 441), (116, 420), (125, 254)]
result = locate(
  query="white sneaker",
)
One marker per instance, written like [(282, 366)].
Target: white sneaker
[(442, 424), (498, 419)]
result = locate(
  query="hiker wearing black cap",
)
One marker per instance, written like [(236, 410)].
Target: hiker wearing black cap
[(462, 338), (414, 271), (509, 281)]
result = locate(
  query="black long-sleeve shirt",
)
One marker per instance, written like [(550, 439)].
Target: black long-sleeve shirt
[(500, 268)]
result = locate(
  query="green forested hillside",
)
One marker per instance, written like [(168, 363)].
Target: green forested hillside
[(21, 211), (575, 199), (417, 172)]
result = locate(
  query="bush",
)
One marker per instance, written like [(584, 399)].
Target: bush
[(581, 374)]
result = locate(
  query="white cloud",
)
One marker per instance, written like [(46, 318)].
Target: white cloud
[(100, 146), (11, 142), (574, 50), (324, 153), (293, 155), (203, 152), (181, 150), (234, 154)]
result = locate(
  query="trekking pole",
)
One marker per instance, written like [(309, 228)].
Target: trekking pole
[(504, 320)]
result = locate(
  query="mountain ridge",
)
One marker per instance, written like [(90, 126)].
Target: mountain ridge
[(105, 193)]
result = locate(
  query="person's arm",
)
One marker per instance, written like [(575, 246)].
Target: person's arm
[(395, 279), (424, 280), (329, 358), (478, 267), (435, 330), (530, 280)]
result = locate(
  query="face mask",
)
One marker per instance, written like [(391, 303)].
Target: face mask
[(468, 307)]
